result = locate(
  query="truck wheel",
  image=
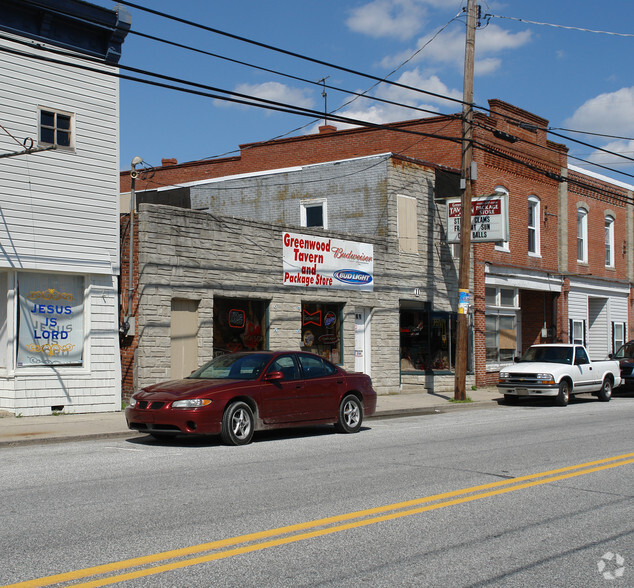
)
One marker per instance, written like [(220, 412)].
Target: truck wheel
[(606, 390), (564, 394)]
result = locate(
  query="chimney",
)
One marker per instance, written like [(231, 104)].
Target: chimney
[(169, 161), (327, 129)]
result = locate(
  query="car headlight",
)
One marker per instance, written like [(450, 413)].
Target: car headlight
[(545, 379), (191, 403), (132, 403), (504, 375)]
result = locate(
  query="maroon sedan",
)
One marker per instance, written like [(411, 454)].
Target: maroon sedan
[(237, 394)]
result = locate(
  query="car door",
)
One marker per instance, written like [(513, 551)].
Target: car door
[(587, 377), (280, 398), (322, 390)]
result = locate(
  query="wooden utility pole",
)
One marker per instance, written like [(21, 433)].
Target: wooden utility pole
[(462, 343)]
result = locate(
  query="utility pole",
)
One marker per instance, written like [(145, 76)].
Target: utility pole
[(462, 343)]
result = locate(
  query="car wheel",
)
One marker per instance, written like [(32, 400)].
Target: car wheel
[(350, 415), (606, 390), (237, 424), (564, 394)]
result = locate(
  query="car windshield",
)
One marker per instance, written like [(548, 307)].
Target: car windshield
[(626, 351), (235, 366), (549, 355)]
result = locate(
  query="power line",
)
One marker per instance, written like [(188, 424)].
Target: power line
[(285, 51), (558, 26)]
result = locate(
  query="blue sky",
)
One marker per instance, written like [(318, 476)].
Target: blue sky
[(575, 79)]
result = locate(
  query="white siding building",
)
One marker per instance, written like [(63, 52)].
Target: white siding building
[(59, 211)]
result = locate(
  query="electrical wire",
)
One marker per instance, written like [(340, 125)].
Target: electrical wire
[(558, 26), (285, 51)]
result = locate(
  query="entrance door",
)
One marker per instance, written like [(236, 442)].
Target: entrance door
[(362, 340), (598, 332), (184, 338)]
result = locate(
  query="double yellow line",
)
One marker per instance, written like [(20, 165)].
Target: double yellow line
[(139, 567)]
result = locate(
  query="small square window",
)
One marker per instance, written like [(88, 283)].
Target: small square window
[(314, 213), (55, 128), (315, 216)]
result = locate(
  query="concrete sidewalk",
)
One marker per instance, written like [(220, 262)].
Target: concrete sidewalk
[(73, 427)]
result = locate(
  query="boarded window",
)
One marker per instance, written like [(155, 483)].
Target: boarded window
[(407, 225)]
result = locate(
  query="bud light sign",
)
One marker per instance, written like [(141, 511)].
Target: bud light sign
[(352, 277)]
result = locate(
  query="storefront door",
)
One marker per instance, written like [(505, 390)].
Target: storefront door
[(362, 340)]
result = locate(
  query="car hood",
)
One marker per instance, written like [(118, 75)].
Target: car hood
[(534, 367), (188, 388)]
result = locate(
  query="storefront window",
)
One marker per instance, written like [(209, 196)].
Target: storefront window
[(501, 324), (428, 339), (321, 330), (51, 320), (239, 325)]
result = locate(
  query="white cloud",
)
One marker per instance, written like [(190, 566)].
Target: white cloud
[(365, 109), (609, 113), (387, 18), (449, 48), (276, 92)]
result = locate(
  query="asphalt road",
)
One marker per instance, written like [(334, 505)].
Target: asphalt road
[(494, 497)]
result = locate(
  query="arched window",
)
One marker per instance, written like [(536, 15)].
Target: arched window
[(609, 241), (502, 245), (582, 235), (534, 245)]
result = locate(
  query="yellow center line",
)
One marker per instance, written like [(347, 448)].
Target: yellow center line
[(466, 495)]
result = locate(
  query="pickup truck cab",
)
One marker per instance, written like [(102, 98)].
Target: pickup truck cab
[(558, 371)]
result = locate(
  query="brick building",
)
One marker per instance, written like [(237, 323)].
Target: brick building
[(564, 274)]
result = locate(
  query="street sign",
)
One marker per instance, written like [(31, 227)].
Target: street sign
[(489, 219)]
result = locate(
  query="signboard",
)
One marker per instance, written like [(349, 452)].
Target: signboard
[(489, 219), (320, 262), (51, 320)]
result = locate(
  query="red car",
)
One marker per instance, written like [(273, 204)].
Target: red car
[(234, 395)]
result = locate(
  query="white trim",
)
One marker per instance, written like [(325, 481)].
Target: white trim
[(259, 174), (520, 278)]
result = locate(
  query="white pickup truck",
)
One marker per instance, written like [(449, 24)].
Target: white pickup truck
[(559, 370)]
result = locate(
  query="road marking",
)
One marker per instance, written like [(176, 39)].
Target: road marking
[(311, 529)]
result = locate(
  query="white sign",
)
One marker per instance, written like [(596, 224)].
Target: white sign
[(320, 262), (51, 320), (489, 219)]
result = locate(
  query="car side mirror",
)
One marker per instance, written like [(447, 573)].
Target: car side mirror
[(273, 376), (516, 359)]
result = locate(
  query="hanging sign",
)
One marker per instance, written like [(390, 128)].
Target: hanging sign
[(489, 219)]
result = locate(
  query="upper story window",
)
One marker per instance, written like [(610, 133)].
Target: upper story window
[(582, 235), (502, 245), (534, 247), (56, 128), (314, 214), (609, 241)]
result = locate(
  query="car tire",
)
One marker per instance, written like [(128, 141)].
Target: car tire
[(238, 424), (563, 397), (606, 391), (350, 415)]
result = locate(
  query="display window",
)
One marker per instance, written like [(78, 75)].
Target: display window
[(428, 339), (239, 325), (321, 330), (50, 320)]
